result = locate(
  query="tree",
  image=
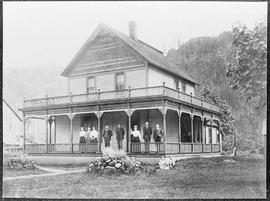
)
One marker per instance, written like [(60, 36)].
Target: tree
[(227, 119), (247, 69)]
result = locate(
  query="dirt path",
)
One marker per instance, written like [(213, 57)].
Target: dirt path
[(51, 172)]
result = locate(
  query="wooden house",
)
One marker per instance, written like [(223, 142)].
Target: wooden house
[(115, 78)]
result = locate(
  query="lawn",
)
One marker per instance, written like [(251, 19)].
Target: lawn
[(8, 172), (192, 178)]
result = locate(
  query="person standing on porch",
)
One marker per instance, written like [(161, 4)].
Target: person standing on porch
[(87, 135), (136, 138), (147, 132), (107, 134), (120, 133), (94, 135), (94, 140), (82, 140), (158, 134)]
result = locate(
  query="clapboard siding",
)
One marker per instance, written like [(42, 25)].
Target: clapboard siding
[(156, 77), (136, 78), (172, 126), (105, 53), (105, 82), (62, 129)]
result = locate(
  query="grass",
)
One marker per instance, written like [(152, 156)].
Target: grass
[(8, 172), (192, 178)]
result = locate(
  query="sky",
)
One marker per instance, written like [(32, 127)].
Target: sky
[(49, 34)]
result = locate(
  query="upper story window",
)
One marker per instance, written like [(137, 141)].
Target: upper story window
[(120, 81), (176, 84), (91, 85), (184, 86)]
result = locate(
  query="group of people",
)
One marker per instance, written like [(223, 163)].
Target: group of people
[(147, 132), (91, 136)]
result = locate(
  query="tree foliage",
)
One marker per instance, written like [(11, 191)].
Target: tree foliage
[(227, 119), (247, 69)]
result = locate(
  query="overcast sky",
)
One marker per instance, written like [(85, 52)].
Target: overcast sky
[(48, 34)]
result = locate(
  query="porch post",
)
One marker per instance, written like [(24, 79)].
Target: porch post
[(71, 116), (129, 113), (211, 133), (46, 122), (164, 112), (54, 130), (99, 131), (50, 130), (179, 126), (192, 137), (179, 129), (203, 131), (24, 133), (220, 138)]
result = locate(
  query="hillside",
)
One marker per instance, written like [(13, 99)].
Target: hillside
[(205, 58)]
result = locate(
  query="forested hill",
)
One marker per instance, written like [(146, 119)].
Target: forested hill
[(205, 59)]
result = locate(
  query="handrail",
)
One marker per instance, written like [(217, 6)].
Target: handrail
[(61, 98)]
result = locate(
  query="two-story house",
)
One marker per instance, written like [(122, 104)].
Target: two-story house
[(118, 79)]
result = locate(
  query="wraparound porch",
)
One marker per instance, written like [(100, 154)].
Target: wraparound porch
[(188, 128)]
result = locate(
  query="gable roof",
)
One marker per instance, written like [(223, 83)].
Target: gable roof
[(151, 54)]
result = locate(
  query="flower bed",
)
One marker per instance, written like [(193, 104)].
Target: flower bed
[(118, 162)]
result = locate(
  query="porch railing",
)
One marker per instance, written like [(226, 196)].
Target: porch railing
[(191, 148), (123, 94), (142, 147), (136, 148)]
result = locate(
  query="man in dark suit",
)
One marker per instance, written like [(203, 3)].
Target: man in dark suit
[(120, 133), (147, 132), (158, 134), (107, 134)]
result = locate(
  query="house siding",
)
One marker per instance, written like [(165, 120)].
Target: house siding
[(62, 129), (156, 77), (135, 78), (172, 126)]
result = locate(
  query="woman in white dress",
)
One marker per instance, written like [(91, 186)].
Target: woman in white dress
[(136, 139)]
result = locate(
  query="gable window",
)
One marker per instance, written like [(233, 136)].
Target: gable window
[(176, 84), (184, 86), (119, 81), (91, 85)]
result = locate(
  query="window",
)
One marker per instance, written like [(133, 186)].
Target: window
[(91, 85), (176, 84), (184, 86), (120, 81)]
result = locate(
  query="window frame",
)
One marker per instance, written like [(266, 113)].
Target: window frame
[(95, 84), (115, 80), (184, 85)]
